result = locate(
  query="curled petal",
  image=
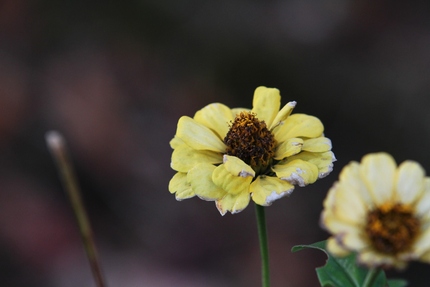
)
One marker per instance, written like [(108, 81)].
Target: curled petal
[(179, 185), (237, 167), (283, 114), (266, 104), (200, 179), (233, 202), (297, 172), (216, 117), (185, 158), (198, 136), (266, 190), (288, 148), (323, 161), (321, 144), (298, 125), (233, 184)]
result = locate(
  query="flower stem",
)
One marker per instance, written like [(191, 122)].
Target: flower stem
[(370, 277), (57, 146), (262, 235)]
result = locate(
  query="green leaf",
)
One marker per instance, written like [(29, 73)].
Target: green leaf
[(397, 283), (344, 271)]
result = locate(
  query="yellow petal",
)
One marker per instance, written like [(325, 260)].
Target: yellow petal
[(373, 259), (184, 158), (336, 249), (422, 245), (321, 144), (423, 205), (216, 117), (323, 161), (266, 190), (233, 202), (377, 171), (283, 114), (351, 180), (179, 185), (288, 148), (297, 172), (298, 125), (237, 167), (266, 104), (350, 206), (198, 136), (230, 183), (176, 142), (410, 182), (200, 178)]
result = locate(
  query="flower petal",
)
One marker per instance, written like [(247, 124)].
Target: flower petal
[(335, 248), (422, 245), (198, 136), (410, 182), (233, 202), (230, 183), (297, 172), (351, 180), (350, 206), (321, 144), (200, 178), (298, 125), (266, 104), (185, 158), (179, 185), (377, 171), (216, 117), (266, 190), (422, 207), (288, 148), (176, 142), (283, 114), (237, 167), (374, 259), (324, 161)]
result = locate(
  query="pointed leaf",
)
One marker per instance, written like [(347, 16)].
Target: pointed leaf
[(343, 271)]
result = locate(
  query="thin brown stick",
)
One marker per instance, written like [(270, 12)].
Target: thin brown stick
[(59, 151)]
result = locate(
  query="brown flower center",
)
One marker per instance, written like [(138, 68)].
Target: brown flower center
[(392, 228), (250, 140)]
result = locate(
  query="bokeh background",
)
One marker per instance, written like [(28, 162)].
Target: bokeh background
[(115, 76)]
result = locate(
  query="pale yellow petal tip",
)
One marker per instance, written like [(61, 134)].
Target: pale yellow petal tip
[(335, 248)]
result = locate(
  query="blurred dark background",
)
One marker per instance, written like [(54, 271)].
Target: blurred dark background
[(115, 76)]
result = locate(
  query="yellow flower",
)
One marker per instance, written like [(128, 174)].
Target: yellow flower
[(381, 211), (231, 155)]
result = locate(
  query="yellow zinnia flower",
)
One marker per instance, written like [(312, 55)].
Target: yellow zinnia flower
[(231, 155), (380, 211)]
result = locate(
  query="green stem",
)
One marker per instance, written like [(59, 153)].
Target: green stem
[(262, 235), (57, 146), (370, 277)]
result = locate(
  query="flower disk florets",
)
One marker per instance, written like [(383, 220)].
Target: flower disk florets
[(392, 228), (250, 140)]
